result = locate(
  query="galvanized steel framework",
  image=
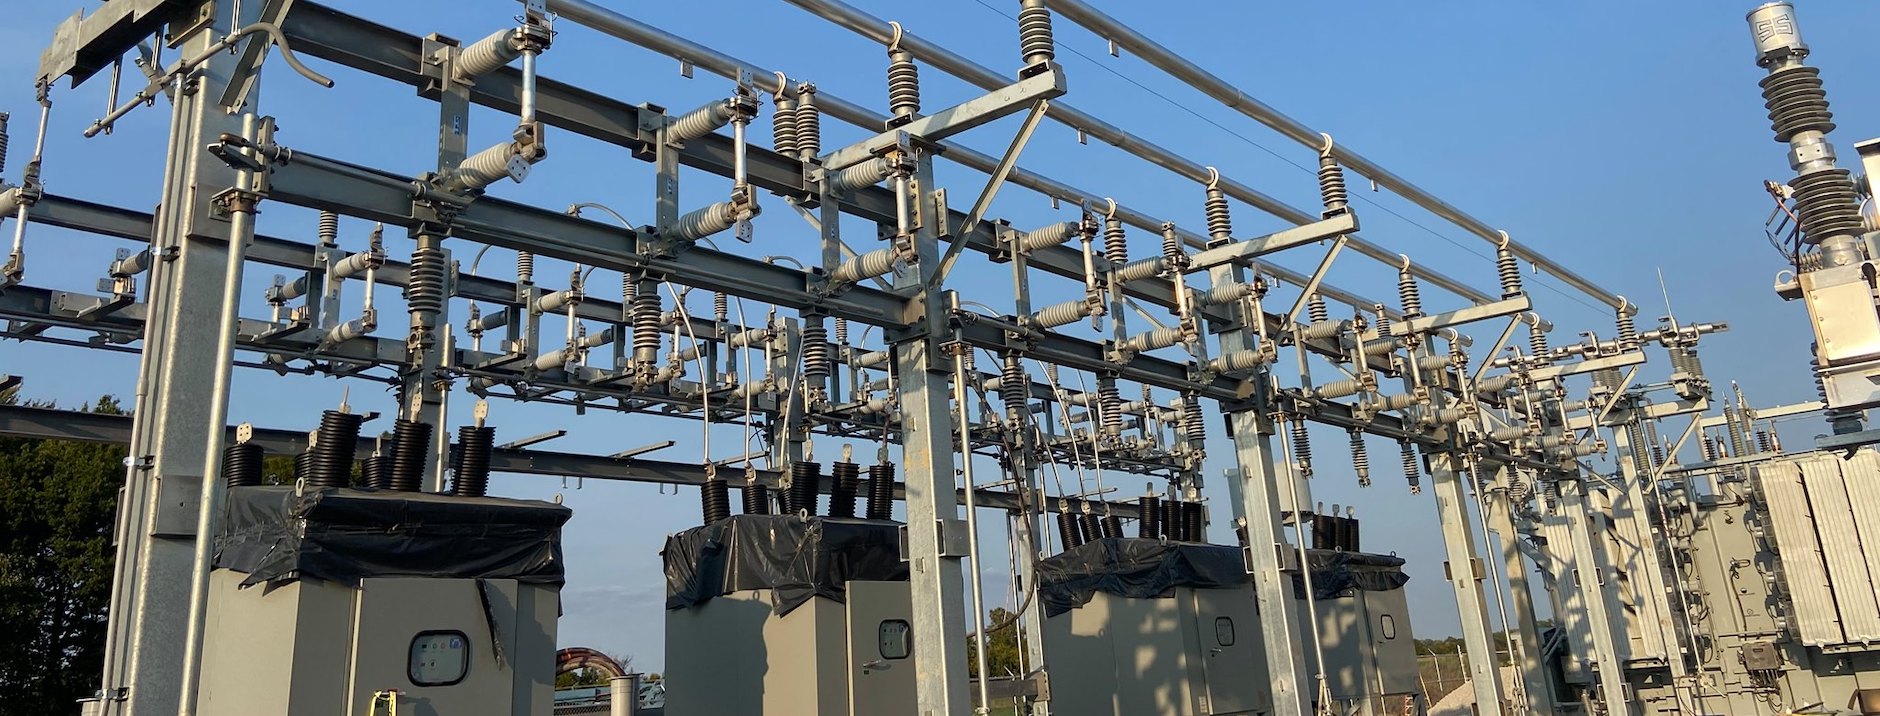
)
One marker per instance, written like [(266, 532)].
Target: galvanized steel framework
[(1495, 427)]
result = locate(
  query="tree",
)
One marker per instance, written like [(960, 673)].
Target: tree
[(1002, 650), (58, 502)]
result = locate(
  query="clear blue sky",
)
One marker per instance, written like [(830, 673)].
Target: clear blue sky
[(1622, 139)]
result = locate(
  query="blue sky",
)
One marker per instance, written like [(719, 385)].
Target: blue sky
[(1623, 139)]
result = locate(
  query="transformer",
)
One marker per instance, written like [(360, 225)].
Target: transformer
[(342, 601)]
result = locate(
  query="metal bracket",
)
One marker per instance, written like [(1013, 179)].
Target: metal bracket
[(953, 120), (951, 535), (1331, 228)]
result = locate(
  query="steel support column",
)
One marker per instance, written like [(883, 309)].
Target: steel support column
[(144, 661), (1590, 573), (1452, 510), (1537, 688)]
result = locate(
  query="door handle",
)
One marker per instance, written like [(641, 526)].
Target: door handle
[(876, 664)]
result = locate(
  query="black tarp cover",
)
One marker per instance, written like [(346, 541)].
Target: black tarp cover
[(344, 535), (795, 558), (1145, 568)]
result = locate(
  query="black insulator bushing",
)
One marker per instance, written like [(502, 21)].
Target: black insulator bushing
[(756, 499), (846, 479), (411, 449), (376, 472), (715, 500), (333, 447), (1172, 521), (805, 479), (1149, 526), (1069, 532), (1796, 102), (474, 444), (1351, 535), (303, 466), (1112, 526), (1092, 526), (241, 465), (1322, 532), (1827, 203), (880, 491), (1195, 517)]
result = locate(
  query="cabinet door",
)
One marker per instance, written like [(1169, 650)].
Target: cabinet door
[(881, 649), (1232, 661)]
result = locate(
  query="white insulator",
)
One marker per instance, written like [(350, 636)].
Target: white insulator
[(358, 263), (702, 121), (747, 338), (865, 174), (1507, 434), (1339, 389), (556, 359), (1154, 339), (489, 321), (1446, 416), (1225, 293), (1322, 330), (349, 330), (484, 168), (1434, 362), (1494, 385), (873, 407), (871, 359), (1052, 235), (1241, 360), (704, 222), (1382, 346), (489, 54), (556, 301), (874, 263), (1141, 269), (1397, 401), (1062, 314)]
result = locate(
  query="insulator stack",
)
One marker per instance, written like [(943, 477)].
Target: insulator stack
[(1316, 310), (721, 306), (1628, 329), (329, 228), (1411, 473), (1220, 224), (1409, 294), (845, 479), (1332, 185), (1730, 415), (1035, 42), (1658, 454), (1112, 527), (3, 142), (1383, 321), (715, 500), (1360, 458), (333, 449), (1302, 446), (805, 488), (808, 125), (702, 121), (1092, 525), (486, 55), (629, 288), (1339, 388), (842, 332), (646, 318), (1195, 521), (375, 472), (1827, 203), (1509, 270), (303, 467), (1173, 255), (783, 126), (1070, 533), (474, 444), (411, 449), (1115, 242), (1762, 441), (425, 289), (1825, 200), (1149, 525), (1173, 527), (1194, 422), (880, 491), (1706, 448), (1014, 386), (1110, 404), (815, 352), (903, 84), (1537, 341), (525, 266), (241, 465), (756, 499)]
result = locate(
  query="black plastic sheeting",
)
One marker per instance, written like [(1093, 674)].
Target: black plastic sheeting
[(344, 535), (1149, 568), (796, 558)]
